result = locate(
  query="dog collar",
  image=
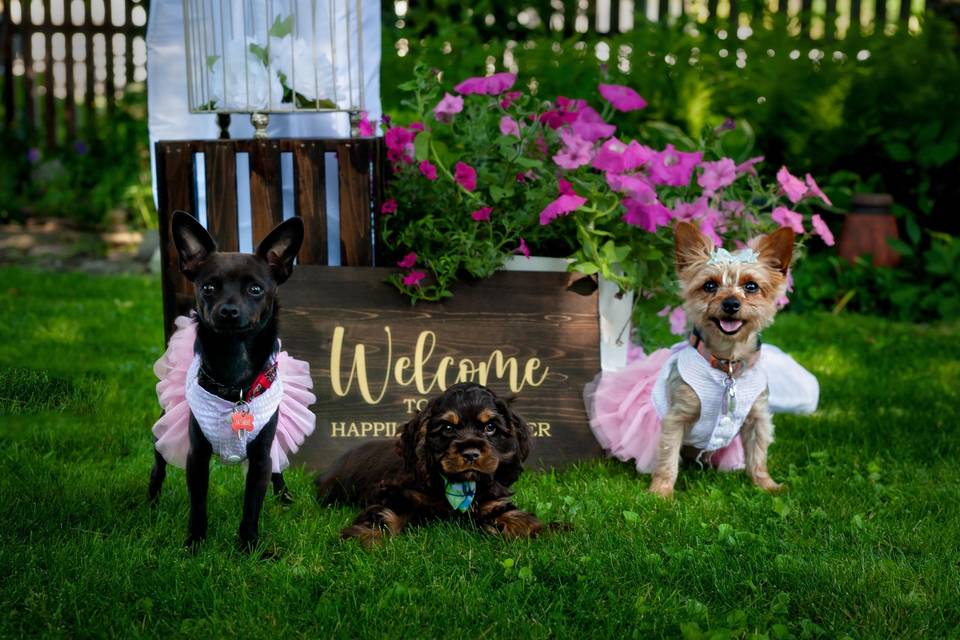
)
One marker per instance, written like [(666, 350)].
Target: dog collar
[(460, 495), (732, 368), (260, 384)]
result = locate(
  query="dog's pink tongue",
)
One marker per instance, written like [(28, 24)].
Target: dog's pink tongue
[(730, 325)]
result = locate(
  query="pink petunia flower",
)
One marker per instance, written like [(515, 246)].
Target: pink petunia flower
[(388, 206), (481, 214), (678, 321), (399, 143), (416, 126), (413, 278), (365, 127), (674, 168), (509, 98), (565, 113), (465, 175), (428, 170), (509, 126), (559, 207), (576, 151), (783, 300), (523, 249), (787, 218), (821, 229), (590, 126), (490, 85), (717, 175), (622, 98), (646, 215), (408, 260), (793, 186), (616, 157), (448, 107), (635, 185), (747, 166), (566, 189), (814, 189)]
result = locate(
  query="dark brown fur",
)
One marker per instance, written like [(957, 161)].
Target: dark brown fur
[(467, 433)]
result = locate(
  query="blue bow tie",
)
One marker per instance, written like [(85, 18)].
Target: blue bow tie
[(460, 494)]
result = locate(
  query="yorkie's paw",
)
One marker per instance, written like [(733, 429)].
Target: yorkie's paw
[(768, 485), (662, 488)]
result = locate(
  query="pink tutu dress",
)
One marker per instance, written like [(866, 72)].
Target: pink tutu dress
[(625, 420), (295, 421)]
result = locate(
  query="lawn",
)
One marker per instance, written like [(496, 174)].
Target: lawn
[(864, 543)]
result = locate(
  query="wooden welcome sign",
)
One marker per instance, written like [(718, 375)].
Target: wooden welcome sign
[(375, 359)]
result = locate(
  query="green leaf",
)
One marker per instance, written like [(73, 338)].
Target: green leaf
[(588, 268), (421, 146), (212, 60), (900, 246), (281, 28), (913, 230), (939, 154), (507, 563), (497, 193), (261, 53), (898, 151), (631, 516), (525, 573), (529, 163)]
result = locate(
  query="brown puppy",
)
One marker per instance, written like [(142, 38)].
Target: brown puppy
[(456, 459), (728, 300)]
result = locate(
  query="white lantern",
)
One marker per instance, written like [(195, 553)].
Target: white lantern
[(270, 56)]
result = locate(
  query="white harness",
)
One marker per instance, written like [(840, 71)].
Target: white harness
[(214, 414), (712, 431)]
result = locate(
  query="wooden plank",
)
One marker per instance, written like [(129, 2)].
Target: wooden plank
[(49, 100), (29, 76), (855, 26), (905, 12), (663, 12), (220, 162), (6, 59), (108, 35), (540, 327), (310, 203), (712, 10), (175, 190), (70, 104), (89, 92), (379, 185), (830, 20), (354, 159), (880, 19), (266, 196)]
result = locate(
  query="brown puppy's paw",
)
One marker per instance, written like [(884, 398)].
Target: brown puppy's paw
[(367, 536), (515, 524)]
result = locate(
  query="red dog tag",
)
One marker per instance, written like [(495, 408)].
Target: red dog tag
[(241, 419)]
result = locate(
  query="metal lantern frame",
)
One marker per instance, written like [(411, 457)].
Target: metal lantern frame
[(217, 32)]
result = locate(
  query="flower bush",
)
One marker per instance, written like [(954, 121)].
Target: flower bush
[(489, 171)]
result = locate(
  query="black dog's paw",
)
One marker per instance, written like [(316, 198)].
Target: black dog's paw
[(192, 543), (557, 527), (284, 497), (252, 547)]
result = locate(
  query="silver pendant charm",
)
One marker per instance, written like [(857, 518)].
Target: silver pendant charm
[(728, 404)]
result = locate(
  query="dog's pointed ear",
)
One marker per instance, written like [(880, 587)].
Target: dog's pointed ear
[(281, 246), (194, 244), (776, 248), (690, 244)]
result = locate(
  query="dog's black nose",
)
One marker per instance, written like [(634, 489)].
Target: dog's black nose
[(471, 455), (731, 305), (229, 312)]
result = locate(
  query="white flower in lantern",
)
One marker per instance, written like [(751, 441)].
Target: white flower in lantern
[(303, 67), (248, 82)]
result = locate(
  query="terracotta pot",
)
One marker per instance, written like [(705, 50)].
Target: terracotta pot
[(866, 229)]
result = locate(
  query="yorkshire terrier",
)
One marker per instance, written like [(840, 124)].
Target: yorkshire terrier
[(713, 390)]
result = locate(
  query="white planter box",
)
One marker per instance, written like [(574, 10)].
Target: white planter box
[(615, 313)]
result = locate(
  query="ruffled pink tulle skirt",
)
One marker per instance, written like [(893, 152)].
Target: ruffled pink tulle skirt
[(295, 421), (625, 423)]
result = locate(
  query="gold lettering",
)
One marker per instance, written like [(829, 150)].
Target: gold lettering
[(544, 430), (403, 363), (353, 432), (358, 369), (441, 377), (497, 361), (337, 429), (466, 371), (532, 365)]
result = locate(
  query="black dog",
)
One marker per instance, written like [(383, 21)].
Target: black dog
[(456, 458), (236, 336)]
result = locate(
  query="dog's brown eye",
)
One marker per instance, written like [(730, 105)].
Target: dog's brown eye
[(255, 290), (208, 289), (710, 286), (490, 428), (751, 287), (447, 428)]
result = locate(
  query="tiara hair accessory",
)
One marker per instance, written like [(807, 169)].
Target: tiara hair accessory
[(722, 257)]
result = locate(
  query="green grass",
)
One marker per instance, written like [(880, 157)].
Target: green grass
[(864, 543)]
